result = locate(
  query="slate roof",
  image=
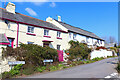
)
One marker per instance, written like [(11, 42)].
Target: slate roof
[(79, 30), (3, 39), (26, 19)]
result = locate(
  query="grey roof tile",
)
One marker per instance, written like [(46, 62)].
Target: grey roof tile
[(26, 19), (79, 30), (3, 39)]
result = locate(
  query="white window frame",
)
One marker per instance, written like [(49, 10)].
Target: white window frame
[(58, 34), (46, 32), (30, 29), (70, 35), (74, 36), (87, 38)]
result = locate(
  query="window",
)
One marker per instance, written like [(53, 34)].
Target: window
[(46, 32), (101, 42), (30, 29), (74, 36), (69, 35), (11, 40), (87, 39), (58, 47), (45, 44), (98, 41), (58, 34), (8, 23), (30, 42)]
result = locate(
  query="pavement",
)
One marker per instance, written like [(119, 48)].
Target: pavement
[(100, 69)]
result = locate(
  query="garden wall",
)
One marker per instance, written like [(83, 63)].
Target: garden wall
[(4, 62), (101, 53)]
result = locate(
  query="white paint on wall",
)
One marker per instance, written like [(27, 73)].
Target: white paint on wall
[(100, 53)]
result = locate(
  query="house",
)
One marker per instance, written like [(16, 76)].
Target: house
[(77, 34), (19, 28)]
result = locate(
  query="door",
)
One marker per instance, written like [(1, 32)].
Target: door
[(60, 55)]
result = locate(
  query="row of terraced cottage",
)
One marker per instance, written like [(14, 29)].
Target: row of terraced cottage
[(16, 28)]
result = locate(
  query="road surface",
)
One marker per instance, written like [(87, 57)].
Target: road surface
[(99, 69)]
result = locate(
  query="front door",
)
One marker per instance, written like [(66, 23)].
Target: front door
[(60, 55), (11, 40)]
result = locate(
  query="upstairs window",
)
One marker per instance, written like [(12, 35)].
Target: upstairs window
[(101, 42), (46, 32), (74, 36), (87, 39), (58, 34), (8, 23), (70, 35), (30, 29)]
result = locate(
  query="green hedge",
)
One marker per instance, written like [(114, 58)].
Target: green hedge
[(31, 53)]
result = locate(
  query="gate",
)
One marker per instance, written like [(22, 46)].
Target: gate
[(60, 55)]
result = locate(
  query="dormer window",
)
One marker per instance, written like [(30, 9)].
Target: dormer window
[(30, 29), (58, 34)]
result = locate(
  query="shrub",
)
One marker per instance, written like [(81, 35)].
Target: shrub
[(52, 68), (28, 69), (78, 50), (6, 75), (31, 53), (118, 67)]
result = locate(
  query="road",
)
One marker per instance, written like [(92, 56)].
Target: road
[(99, 69)]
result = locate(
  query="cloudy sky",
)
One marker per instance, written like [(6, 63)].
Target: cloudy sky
[(100, 18)]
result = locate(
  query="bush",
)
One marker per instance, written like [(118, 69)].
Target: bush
[(6, 75), (118, 67), (52, 68), (31, 53), (78, 50), (28, 69)]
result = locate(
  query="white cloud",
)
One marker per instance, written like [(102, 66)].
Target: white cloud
[(31, 12), (52, 4)]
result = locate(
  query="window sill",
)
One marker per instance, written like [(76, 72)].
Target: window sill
[(59, 38), (31, 34), (47, 36)]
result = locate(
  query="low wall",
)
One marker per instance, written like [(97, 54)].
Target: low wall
[(101, 53), (4, 62)]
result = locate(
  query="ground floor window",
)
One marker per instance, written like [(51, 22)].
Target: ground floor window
[(58, 47), (11, 41), (30, 42), (45, 44)]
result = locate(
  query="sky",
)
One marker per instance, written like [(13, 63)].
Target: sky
[(101, 18)]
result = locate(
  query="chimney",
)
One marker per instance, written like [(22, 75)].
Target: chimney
[(10, 7), (49, 19), (59, 18)]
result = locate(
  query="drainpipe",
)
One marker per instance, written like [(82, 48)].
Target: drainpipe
[(17, 34)]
